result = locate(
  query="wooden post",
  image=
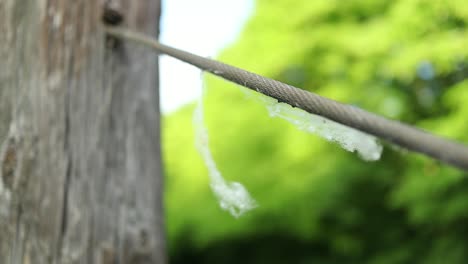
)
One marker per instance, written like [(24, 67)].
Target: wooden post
[(80, 162)]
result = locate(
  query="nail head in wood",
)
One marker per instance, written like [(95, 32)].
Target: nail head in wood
[(112, 16)]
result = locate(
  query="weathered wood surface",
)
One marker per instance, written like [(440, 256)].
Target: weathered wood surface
[(79, 134)]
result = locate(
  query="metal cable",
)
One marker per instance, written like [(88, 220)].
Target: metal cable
[(406, 136)]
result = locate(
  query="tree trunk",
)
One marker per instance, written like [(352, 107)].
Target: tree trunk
[(80, 166)]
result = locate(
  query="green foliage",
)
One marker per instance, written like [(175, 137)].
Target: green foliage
[(403, 59)]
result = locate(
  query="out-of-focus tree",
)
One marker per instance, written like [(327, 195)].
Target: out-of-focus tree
[(406, 60)]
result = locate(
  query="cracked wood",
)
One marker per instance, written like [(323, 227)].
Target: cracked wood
[(83, 173)]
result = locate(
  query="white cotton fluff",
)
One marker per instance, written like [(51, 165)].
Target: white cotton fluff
[(232, 196), (350, 139)]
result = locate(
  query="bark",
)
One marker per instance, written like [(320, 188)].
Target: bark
[(80, 167)]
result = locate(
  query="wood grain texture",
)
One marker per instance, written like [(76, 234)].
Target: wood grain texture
[(80, 155)]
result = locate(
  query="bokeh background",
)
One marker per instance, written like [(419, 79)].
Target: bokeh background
[(403, 59)]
